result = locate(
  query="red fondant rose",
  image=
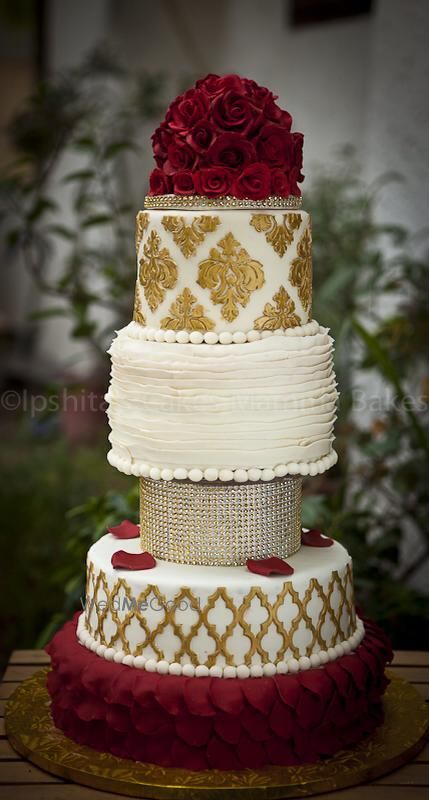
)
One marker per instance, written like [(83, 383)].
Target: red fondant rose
[(160, 142), (231, 150), (179, 156), (279, 183), (159, 182), (201, 136), (218, 84), (187, 110), (276, 146), (213, 181), (183, 182), (232, 111), (253, 182)]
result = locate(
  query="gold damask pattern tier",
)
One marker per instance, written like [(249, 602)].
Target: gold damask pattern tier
[(112, 611), (220, 524), (236, 265)]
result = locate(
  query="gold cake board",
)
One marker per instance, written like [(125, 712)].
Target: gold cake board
[(33, 735)]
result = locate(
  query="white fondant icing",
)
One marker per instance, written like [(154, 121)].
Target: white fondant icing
[(169, 578), (269, 405)]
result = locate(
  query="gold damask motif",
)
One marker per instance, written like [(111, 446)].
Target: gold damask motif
[(188, 237), (231, 274), (343, 619), (185, 314), (279, 236), (142, 222), (138, 315), (158, 271), (32, 733), (300, 274), (282, 315)]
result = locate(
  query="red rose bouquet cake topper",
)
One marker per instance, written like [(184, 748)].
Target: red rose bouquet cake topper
[(227, 136)]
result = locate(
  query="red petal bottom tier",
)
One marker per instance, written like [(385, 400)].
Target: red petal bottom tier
[(217, 723)]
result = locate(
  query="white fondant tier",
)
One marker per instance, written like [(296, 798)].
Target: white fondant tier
[(223, 270), (223, 621), (247, 411)]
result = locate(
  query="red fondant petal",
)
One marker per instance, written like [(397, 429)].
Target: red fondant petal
[(260, 693), (228, 727), (227, 695), (170, 695), (220, 755), (255, 723), (123, 560), (186, 757), (194, 730), (269, 566), (196, 694), (315, 538), (126, 530), (251, 753), (282, 720)]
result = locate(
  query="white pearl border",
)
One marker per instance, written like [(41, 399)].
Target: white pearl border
[(146, 334), (141, 470), (163, 667)]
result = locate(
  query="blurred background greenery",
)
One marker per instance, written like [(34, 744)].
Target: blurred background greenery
[(57, 493)]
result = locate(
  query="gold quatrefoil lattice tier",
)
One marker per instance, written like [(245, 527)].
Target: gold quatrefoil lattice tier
[(220, 524)]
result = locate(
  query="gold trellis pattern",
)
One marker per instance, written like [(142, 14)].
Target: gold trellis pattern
[(158, 271), (142, 223), (186, 314), (231, 274), (189, 237), (336, 601), (300, 274), (280, 315), (138, 315), (278, 235)]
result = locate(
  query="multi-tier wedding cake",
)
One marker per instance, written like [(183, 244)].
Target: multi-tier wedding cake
[(218, 633)]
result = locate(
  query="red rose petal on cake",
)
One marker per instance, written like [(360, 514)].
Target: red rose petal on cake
[(126, 530), (269, 566), (123, 560), (315, 538)]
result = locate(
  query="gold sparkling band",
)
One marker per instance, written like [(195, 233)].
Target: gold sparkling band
[(218, 524), (198, 201)]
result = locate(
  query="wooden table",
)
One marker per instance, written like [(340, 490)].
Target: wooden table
[(20, 780)]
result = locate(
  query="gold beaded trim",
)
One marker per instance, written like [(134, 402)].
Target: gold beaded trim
[(220, 524), (198, 201), (108, 626)]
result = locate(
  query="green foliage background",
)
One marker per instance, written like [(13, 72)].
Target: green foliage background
[(54, 501)]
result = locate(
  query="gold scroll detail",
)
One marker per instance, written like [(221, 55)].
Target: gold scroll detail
[(138, 315), (188, 237), (278, 235), (158, 271), (231, 274), (300, 274), (142, 222), (335, 603), (185, 314), (282, 315)]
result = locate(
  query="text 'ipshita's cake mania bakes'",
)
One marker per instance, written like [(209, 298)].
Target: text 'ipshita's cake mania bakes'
[(218, 634)]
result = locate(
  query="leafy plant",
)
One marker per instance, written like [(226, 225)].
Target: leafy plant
[(78, 133)]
